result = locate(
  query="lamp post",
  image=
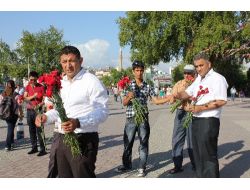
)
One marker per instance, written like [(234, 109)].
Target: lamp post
[(28, 64)]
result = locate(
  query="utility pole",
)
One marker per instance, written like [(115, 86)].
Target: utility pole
[(28, 67)]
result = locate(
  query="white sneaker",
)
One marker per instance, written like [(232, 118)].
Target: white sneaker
[(141, 173)]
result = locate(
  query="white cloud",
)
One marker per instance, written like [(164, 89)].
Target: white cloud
[(98, 53), (95, 53)]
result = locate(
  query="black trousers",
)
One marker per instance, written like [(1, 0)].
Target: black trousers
[(62, 163), (205, 132), (34, 131)]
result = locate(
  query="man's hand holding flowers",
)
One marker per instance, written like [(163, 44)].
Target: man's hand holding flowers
[(70, 125), (40, 119)]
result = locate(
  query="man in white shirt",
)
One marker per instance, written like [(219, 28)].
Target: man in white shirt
[(85, 101), (206, 115)]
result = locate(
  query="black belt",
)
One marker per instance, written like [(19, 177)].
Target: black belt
[(199, 118)]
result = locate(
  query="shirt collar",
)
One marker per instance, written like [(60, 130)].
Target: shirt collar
[(207, 75), (143, 83), (78, 76)]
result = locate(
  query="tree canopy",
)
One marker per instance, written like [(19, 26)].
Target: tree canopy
[(41, 49), (161, 36)]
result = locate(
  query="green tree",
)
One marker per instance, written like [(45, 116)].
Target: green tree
[(8, 59), (115, 76), (40, 50), (178, 73), (162, 36)]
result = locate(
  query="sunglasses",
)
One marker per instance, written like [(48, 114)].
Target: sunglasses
[(187, 73), (32, 80)]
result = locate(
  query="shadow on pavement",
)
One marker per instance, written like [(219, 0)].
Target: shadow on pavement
[(23, 143), (155, 162), (110, 141), (226, 148), (118, 113), (238, 166)]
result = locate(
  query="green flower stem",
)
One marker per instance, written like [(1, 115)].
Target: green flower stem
[(70, 139), (39, 111), (43, 136), (140, 111), (188, 119), (175, 105)]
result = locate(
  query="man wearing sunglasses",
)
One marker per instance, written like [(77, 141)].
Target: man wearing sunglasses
[(33, 95)]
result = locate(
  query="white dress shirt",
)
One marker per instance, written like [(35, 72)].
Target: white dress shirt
[(217, 87), (84, 98)]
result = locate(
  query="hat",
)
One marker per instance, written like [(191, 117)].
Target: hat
[(137, 64), (189, 68)]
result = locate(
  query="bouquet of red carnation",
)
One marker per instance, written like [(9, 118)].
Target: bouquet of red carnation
[(199, 95), (178, 103), (123, 83), (137, 106), (52, 81)]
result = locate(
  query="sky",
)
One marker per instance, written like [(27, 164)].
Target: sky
[(95, 33)]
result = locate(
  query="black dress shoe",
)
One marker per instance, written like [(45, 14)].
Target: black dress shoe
[(42, 153), (122, 169), (175, 170), (33, 151)]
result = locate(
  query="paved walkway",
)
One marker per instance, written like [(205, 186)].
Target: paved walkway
[(234, 146)]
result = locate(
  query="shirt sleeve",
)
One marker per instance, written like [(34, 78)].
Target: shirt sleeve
[(220, 90), (99, 99), (52, 116), (151, 91)]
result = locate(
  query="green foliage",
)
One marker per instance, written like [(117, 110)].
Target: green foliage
[(115, 76), (41, 49), (107, 81), (162, 36), (178, 73)]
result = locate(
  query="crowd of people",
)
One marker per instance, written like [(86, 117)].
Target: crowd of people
[(85, 102)]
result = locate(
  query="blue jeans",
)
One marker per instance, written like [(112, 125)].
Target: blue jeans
[(129, 135), (178, 139), (10, 134)]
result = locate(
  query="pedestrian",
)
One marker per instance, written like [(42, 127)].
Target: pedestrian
[(169, 91), (33, 95), (179, 131), (85, 101), (9, 92), (206, 115), (233, 92), (116, 93), (241, 95), (142, 91)]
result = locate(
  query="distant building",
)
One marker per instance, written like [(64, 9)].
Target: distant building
[(102, 73)]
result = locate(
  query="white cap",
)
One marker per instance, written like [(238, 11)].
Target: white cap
[(189, 68)]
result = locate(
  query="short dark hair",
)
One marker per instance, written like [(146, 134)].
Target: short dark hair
[(33, 74), (202, 55), (137, 63), (70, 49)]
